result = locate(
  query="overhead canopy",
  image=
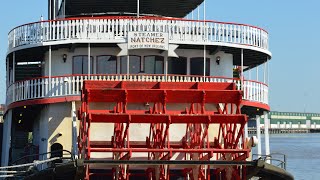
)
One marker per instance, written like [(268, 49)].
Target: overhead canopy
[(170, 8)]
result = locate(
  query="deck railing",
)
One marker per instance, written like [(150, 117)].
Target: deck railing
[(61, 86), (115, 30)]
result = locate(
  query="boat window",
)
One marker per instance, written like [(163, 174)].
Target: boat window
[(134, 64), (106, 65), (80, 64), (153, 64), (196, 66), (177, 65)]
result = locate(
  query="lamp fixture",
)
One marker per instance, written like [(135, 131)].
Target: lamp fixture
[(218, 60), (64, 57)]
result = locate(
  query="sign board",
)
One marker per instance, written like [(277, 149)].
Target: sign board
[(148, 40)]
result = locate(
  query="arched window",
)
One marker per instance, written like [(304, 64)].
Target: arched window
[(106, 64), (154, 64), (134, 64), (196, 66), (177, 65), (80, 64)]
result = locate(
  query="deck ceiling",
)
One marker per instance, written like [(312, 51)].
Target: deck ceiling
[(170, 8)]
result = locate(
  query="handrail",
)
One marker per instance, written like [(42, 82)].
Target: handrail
[(40, 154), (60, 86), (271, 158), (143, 18), (114, 29), (70, 75)]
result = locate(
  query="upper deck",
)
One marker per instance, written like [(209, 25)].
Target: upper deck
[(106, 30)]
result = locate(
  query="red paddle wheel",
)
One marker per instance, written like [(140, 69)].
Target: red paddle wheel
[(187, 122)]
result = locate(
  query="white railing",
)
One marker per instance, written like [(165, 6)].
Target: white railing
[(72, 85), (115, 30)]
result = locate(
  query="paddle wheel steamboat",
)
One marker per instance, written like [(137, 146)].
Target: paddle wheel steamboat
[(136, 89)]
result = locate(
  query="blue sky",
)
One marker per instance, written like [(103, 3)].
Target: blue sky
[(294, 32)]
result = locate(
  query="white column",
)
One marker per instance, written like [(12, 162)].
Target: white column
[(138, 8), (188, 66), (74, 130), (268, 71), (89, 59), (50, 58), (128, 65), (266, 132), (246, 130), (50, 5), (264, 72), (6, 143), (258, 134), (205, 31), (242, 69), (14, 76), (204, 61), (8, 71), (166, 67), (257, 73), (44, 133)]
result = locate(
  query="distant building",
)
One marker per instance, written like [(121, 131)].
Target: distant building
[(290, 120)]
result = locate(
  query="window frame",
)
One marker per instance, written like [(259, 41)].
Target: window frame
[(91, 61), (163, 62), (140, 69), (97, 64), (209, 68), (186, 59)]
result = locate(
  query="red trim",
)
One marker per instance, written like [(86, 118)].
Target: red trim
[(44, 101), (144, 17), (78, 98), (255, 104)]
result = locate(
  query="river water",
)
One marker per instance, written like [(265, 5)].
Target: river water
[(302, 152)]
